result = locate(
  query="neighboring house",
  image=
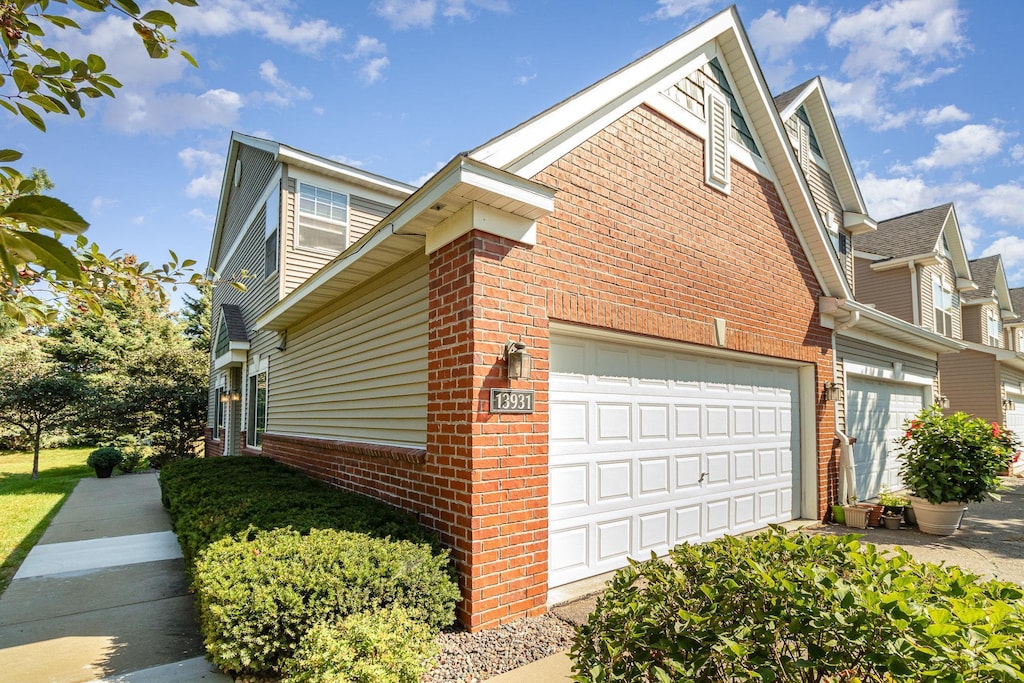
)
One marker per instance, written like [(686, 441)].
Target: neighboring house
[(886, 369), (654, 247), (987, 378)]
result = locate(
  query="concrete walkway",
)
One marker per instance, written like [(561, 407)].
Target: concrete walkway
[(103, 596)]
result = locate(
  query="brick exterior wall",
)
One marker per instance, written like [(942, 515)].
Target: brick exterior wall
[(213, 447), (637, 243)]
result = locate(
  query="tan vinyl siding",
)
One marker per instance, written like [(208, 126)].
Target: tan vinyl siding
[(974, 328), (257, 168), (860, 351), (358, 370), (300, 264), (970, 379), (890, 290)]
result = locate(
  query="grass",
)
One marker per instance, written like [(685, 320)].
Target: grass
[(26, 506)]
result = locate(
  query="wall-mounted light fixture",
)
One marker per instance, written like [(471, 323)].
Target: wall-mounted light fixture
[(833, 392), (943, 401), (1008, 404), (517, 360)]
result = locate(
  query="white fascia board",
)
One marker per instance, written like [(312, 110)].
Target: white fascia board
[(966, 285), (858, 223), (886, 373), (958, 252), (929, 259), (274, 183), (929, 340), (346, 173)]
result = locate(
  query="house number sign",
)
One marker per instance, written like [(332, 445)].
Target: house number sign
[(511, 400)]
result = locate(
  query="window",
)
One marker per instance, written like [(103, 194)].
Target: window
[(219, 411), (271, 251), (942, 300), (257, 409), (323, 218), (994, 329)]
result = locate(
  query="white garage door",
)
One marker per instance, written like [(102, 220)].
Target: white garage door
[(1015, 416), (875, 413), (650, 448)]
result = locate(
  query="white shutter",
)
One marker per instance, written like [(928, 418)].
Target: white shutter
[(805, 144), (716, 157)]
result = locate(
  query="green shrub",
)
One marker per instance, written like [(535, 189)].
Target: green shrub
[(103, 458), (259, 593), (776, 607), (212, 498), (379, 647), (135, 452)]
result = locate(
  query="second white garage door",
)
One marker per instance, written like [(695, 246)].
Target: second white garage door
[(875, 413), (650, 448)]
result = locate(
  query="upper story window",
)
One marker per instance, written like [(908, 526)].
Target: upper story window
[(942, 300), (271, 249), (323, 218), (995, 329)]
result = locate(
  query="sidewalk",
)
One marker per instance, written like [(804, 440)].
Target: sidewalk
[(103, 596)]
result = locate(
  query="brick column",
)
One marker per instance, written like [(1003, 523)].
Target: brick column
[(491, 470)]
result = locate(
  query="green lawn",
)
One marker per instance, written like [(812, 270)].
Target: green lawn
[(26, 506)]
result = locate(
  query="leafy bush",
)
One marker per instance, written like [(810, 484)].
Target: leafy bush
[(775, 607), (134, 452), (104, 458), (379, 647), (954, 458), (259, 593), (212, 498)]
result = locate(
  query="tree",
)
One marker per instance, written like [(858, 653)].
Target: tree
[(197, 314), (36, 396), (38, 81)]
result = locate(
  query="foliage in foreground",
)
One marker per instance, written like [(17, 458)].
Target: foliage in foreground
[(776, 607), (382, 647), (260, 594)]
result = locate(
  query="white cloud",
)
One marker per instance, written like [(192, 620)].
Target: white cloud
[(1011, 248), (1017, 153), (524, 79), (776, 35), (1004, 203), (208, 165), (970, 144), (372, 55), (284, 94), (348, 161), (99, 203), (899, 38), (373, 70), (673, 9), (889, 197), (367, 46), (428, 175), (406, 14), (166, 114), (138, 220), (268, 19), (947, 114)]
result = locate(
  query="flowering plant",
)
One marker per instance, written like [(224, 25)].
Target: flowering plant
[(954, 458)]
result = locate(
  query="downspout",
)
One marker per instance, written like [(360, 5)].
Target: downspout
[(847, 473), (915, 292)]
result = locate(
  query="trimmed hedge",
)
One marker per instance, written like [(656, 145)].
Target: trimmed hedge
[(212, 498), (779, 607), (260, 593), (384, 647)]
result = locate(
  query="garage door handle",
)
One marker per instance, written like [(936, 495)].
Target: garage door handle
[(702, 475)]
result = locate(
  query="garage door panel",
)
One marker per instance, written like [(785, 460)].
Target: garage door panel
[(661, 448), (875, 414)]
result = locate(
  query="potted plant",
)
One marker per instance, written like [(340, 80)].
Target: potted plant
[(893, 506), (104, 460), (950, 461)]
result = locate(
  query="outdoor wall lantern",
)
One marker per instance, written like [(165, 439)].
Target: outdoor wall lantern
[(517, 360), (1008, 404), (943, 401), (833, 392)]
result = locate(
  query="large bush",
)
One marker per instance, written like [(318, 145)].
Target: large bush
[(776, 607), (259, 593), (211, 498), (382, 647)]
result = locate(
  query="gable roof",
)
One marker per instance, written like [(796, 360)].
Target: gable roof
[(298, 158), (918, 236), (990, 277), (811, 96), (234, 323), (1017, 301), (538, 142)]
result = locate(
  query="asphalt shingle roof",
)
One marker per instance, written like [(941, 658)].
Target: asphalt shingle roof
[(1017, 301), (983, 270), (907, 235), (783, 100), (235, 323)]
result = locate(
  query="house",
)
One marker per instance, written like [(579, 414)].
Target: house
[(987, 378), (886, 368), (594, 336)]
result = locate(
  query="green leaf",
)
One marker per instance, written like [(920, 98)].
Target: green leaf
[(96, 63), (45, 212), (91, 5), (9, 155), (25, 81), (128, 6), (32, 116), (59, 21), (939, 630), (189, 58), (42, 250), (159, 18)]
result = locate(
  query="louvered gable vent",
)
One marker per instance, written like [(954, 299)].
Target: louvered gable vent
[(716, 160)]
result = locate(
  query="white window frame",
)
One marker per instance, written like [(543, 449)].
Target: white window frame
[(942, 306), (323, 221), (257, 368), (993, 321)]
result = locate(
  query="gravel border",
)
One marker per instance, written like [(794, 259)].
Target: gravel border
[(472, 657)]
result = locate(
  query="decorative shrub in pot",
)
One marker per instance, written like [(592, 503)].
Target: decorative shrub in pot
[(104, 460), (950, 461)]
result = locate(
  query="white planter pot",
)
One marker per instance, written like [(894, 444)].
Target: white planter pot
[(939, 520)]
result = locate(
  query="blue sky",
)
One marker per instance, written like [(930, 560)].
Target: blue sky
[(926, 94)]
